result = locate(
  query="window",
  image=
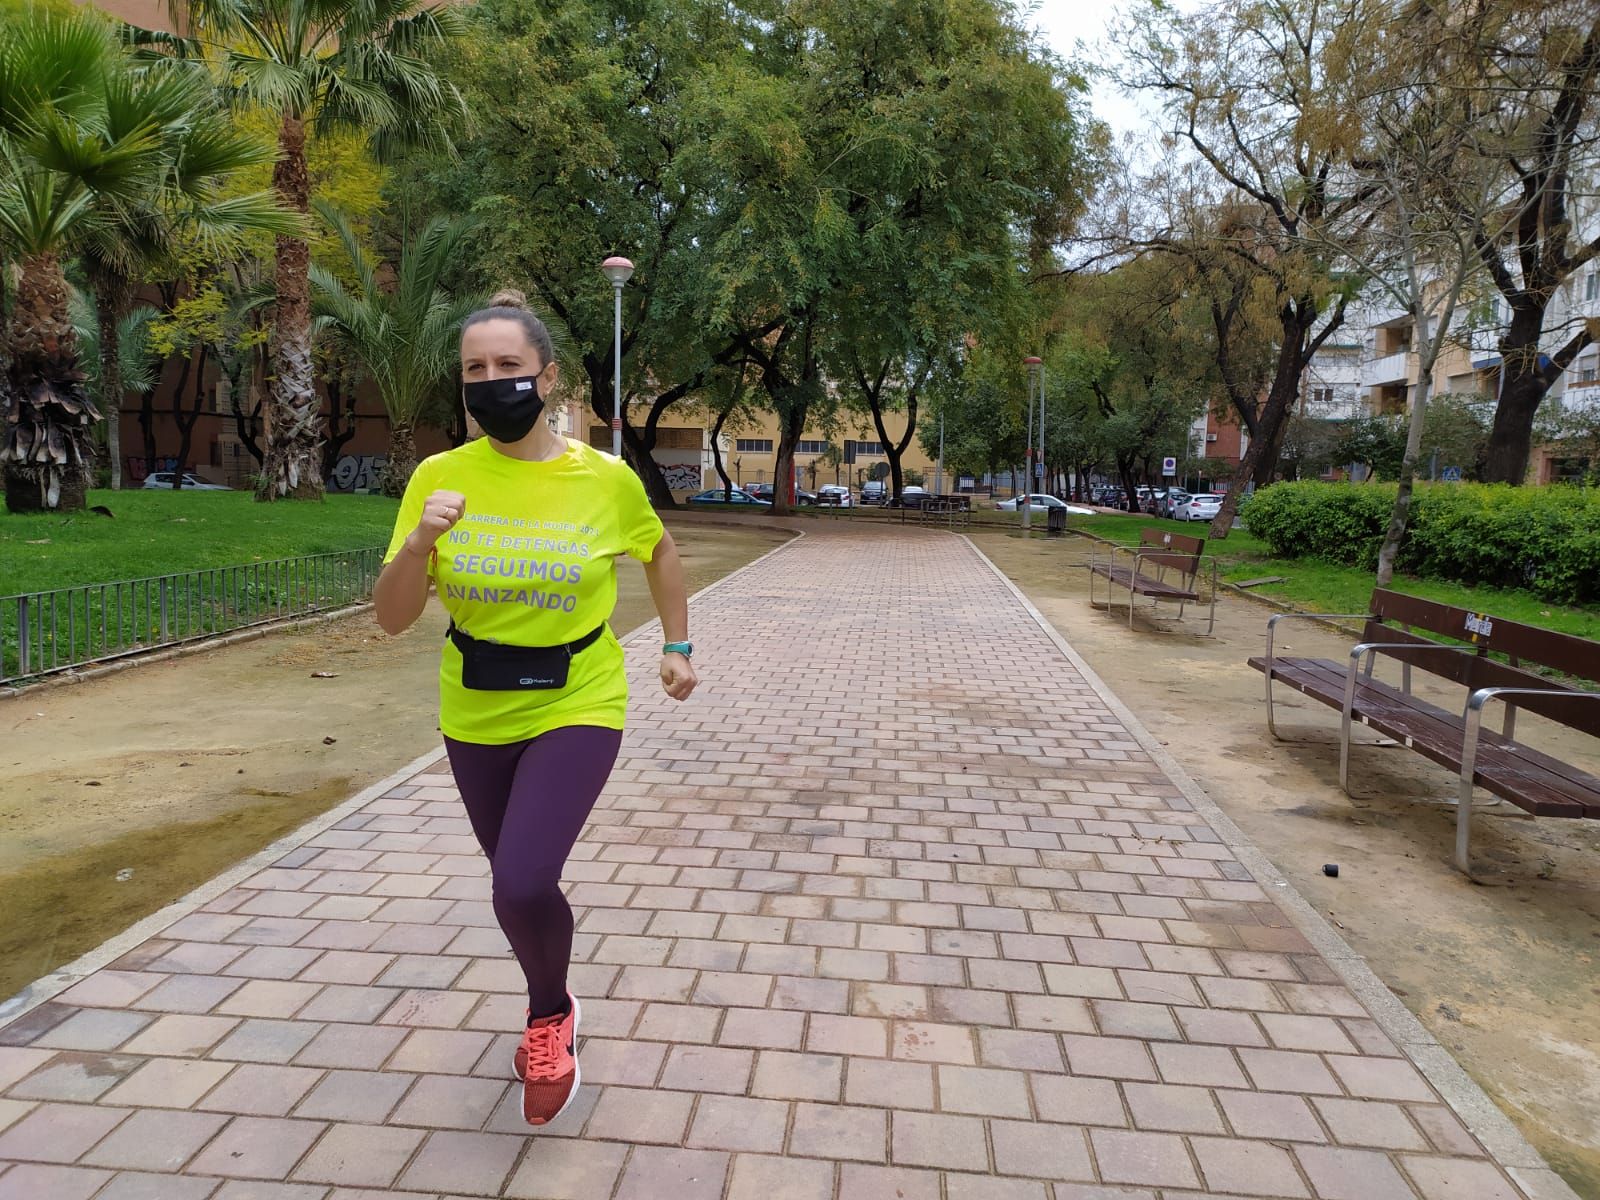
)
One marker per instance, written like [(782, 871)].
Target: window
[(869, 449), (753, 445), (1322, 395), (812, 448), (1591, 287)]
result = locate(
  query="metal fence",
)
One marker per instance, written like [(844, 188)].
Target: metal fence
[(45, 632)]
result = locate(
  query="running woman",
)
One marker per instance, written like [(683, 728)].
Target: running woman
[(519, 532)]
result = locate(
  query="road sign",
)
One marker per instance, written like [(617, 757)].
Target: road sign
[(1169, 467), (1451, 475), (1038, 470)]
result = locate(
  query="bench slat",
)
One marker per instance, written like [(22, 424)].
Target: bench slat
[(1516, 772), (1143, 585)]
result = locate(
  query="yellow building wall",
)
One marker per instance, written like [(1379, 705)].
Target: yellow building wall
[(760, 465)]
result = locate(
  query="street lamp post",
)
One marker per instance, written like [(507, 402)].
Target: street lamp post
[(618, 270), (1033, 364), (938, 486), (1043, 462)]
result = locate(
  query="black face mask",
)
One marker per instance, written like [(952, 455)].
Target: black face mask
[(505, 409)]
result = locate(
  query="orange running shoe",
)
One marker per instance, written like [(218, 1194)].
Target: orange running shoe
[(547, 1063)]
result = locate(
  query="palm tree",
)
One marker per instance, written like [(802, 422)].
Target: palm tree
[(111, 160), (405, 336), (184, 209), (354, 62), (68, 137)]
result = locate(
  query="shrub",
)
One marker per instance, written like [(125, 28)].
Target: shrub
[(1338, 522), (1545, 539)]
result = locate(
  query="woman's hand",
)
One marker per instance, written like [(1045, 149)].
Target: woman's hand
[(678, 676), (439, 515)]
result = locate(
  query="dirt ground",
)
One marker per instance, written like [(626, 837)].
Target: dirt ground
[(1503, 975), (124, 792)]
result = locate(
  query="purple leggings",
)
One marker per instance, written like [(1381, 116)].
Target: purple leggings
[(527, 802)]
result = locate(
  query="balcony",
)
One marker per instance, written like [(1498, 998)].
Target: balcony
[(1391, 368)]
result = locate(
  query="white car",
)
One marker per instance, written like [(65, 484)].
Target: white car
[(1038, 502), (191, 483), (1200, 507), (833, 495)]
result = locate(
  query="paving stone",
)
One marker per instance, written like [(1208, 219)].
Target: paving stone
[(361, 1156), (655, 1171), (58, 1133), (568, 1170)]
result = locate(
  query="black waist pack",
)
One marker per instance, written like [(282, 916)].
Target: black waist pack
[(497, 667)]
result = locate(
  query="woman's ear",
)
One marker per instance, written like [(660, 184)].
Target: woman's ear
[(551, 379)]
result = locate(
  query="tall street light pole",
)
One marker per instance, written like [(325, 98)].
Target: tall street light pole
[(1043, 462), (938, 486), (1033, 364), (618, 270)]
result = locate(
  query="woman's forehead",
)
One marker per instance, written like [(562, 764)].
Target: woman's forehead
[(496, 337)]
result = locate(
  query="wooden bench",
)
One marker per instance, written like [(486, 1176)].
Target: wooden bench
[(1489, 657), (1164, 568)]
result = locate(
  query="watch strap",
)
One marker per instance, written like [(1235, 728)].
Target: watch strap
[(684, 648)]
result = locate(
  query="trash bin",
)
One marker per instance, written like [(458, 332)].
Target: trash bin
[(1057, 524)]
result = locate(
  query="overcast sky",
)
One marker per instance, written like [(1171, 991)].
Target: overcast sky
[(1064, 23)]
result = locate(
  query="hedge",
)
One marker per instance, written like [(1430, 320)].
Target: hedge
[(1544, 539)]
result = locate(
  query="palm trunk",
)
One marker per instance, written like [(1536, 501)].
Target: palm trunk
[(402, 460), (111, 303), (48, 440), (292, 465)]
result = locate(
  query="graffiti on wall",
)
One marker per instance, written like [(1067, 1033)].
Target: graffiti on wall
[(684, 477), (139, 468), (357, 473)]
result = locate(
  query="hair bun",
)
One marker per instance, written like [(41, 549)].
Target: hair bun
[(509, 298)]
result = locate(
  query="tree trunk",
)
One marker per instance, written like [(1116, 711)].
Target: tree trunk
[(186, 422), (1400, 515), (716, 457), (291, 467), (1522, 389), (1261, 459), (790, 428), (402, 460), (111, 303), (47, 444)]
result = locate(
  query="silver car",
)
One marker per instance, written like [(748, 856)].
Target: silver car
[(1202, 506)]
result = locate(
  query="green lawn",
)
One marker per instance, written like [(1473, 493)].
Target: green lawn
[(1324, 587), (162, 532)]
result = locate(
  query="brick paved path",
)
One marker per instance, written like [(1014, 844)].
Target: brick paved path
[(896, 908)]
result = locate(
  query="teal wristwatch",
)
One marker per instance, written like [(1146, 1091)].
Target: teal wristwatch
[(684, 648)]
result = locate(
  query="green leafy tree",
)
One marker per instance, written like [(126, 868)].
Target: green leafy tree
[(330, 63), (406, 335)]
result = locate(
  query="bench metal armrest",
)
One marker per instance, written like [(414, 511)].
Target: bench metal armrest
[(1272, 626), (1469, 754)]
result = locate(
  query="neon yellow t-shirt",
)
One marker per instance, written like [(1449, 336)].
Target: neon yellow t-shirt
[(532, 563)]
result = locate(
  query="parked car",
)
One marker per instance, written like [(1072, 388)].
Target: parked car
[(1202, 506), (910, 497), (738, 498), (1171, 502), (1038, 502), (874, 491), (835, 495), (763, 491), (191, 482)]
